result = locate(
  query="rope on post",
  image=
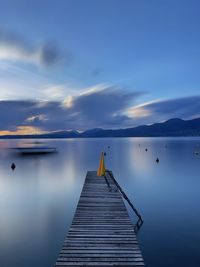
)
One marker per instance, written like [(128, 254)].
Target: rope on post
[(124, 195)]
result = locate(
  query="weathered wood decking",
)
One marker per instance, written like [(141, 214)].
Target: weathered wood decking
[(101, 233)]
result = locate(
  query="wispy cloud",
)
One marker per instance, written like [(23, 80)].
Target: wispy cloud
[(14, 46), (20, 130), (159, 110), (54, 91)]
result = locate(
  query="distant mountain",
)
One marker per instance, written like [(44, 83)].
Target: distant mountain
[(62, 134), (172, 127)]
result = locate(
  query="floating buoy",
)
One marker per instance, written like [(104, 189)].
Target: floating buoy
[(146, 149), (13, 166), (157, 160), (196, 153), (104, 153)]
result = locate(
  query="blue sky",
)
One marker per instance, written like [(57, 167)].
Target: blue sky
[(131, 58)]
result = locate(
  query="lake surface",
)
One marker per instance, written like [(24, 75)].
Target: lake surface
[(38, 198)]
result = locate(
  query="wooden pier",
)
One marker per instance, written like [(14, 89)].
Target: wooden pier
[(101, 233)]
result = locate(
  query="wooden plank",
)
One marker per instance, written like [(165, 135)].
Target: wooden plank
[(101, 264), (101, 233)]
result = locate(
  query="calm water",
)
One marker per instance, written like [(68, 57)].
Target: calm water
[(38, 198)]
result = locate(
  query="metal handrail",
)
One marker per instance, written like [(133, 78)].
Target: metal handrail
[(125, 196)]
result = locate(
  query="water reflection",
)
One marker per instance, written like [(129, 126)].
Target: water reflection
[(38, 198), (138, 225)]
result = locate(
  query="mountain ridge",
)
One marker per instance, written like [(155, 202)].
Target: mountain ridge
[(171, 127)]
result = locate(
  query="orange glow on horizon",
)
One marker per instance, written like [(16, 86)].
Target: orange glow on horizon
[(23, 130)]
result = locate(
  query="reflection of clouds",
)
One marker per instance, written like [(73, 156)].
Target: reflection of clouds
[(140, 161), (42, 188), (38, 199), (4, 144)]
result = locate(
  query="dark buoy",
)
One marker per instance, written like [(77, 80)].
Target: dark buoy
[(104, 153), (157, 160), (146, 149), (13, 166)]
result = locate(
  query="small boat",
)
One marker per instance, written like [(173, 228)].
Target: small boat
[(36, 150)]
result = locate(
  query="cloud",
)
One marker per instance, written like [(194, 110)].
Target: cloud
[(54, 91), (14, 113), (103, 107), (160, 110), (96, 71), (100, 106), (17, 48), (36, 118), (97, 107), (23, 130)]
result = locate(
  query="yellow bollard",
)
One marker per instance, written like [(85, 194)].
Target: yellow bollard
[(101, 170)]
